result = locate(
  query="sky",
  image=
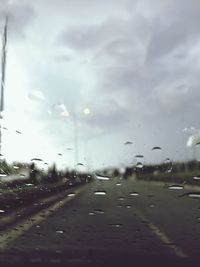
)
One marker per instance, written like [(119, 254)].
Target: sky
[(85, 76)]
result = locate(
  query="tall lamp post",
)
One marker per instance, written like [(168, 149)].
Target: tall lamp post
[(85, 111), (3, 76)]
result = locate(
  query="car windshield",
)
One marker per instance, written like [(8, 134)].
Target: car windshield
[(99, 131)]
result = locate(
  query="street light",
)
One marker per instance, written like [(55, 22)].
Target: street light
[(86, 111), (3, 75)]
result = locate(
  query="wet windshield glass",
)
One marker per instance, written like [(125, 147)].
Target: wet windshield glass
[(99, 130)]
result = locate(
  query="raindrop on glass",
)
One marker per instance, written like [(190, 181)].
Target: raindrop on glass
[(134, 194), (80, 164), (71, 194), (176, 187), (99, 211), (156, 148), (139, 165), (196, 178), (118, 225), (194, 195), (16, 167), (102, 177), (3, 175), (100, 193), (36, 159), (91, 213), (167, 160), (128, 143), (139, 156), (170, 169), (59, 231)]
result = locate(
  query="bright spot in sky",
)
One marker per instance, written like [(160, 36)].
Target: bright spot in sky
[(86, 111)]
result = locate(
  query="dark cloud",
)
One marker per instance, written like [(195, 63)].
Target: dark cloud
[(139, 73), (19, 16)]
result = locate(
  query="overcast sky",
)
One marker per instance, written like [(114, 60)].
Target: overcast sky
[(133, 65)]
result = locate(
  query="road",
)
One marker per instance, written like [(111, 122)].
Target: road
[(129, 220)]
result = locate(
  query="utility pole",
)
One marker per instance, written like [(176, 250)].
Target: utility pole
[(3, 76), (76, 152)]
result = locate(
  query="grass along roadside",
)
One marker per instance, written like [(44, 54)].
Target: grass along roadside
[(11, 217), (190, 178)]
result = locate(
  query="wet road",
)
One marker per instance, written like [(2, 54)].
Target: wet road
[(129, 218)]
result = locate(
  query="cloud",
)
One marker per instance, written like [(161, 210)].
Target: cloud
[(36, 95), (134, 64), (19, 14)]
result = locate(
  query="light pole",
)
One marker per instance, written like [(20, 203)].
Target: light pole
[(85, 111), (3, 76)]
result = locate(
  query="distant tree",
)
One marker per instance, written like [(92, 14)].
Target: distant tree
[(33, 174), (128, 172), (53, 174), (116, 172)]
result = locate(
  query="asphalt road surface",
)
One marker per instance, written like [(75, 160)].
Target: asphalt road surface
[(112, 220)]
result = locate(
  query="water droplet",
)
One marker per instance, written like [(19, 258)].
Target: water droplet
[(29, 184), (117, 225), (118, 184), (91, 213), (15, 167), (167, 160), (2, 211), (176, 187), (170, 169), (80, 164), (36, 159), (59, 154), (3, 175), (121, 198), (71, 194), (134, 194), (152, 206), (139, 165), (100, 193), (128, 206), (156, 148), (128, 143), (99, 211), (60, 231), (139, 156), (102, 177), (194, 195), (196, 178), (37, 226)]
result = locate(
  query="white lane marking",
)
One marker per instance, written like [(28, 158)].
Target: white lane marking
[(162, 236), (20, 228)]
